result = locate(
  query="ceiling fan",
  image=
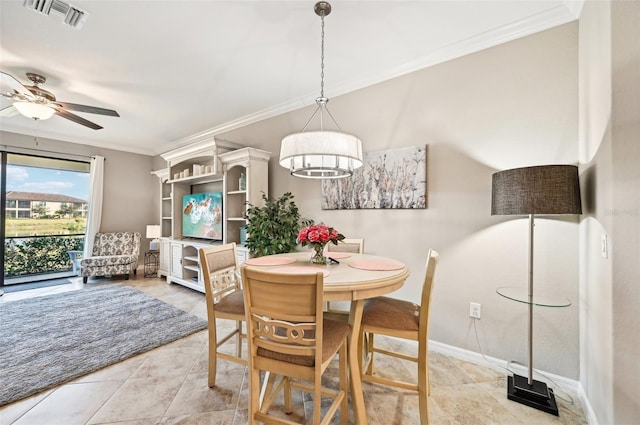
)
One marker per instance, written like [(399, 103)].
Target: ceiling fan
[(40, 104)]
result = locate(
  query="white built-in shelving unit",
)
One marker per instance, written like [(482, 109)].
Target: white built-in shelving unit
[(205, 166)]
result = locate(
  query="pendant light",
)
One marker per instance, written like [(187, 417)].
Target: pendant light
[(321, 154)]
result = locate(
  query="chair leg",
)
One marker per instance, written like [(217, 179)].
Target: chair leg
[(239, 339), (370, 347), (126, 276), (84, 279), (288, 409), (254, 395), (344, 384), (424, 389), (213, 349), (423, 403), (317, 400)]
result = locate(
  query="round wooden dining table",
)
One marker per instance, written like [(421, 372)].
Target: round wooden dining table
[(355, 278)]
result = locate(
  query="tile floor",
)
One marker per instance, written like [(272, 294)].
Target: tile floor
[(168, 386)]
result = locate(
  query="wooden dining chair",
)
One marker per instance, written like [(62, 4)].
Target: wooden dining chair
[(355, 246), (400, 319), (288, 336), (340, 309), (224, 297)]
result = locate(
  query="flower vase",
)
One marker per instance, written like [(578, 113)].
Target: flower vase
[(318, 257)]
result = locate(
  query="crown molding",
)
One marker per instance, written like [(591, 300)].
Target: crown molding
[(558, 15)]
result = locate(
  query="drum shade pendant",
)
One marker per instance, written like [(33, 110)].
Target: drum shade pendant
[(321, 154)]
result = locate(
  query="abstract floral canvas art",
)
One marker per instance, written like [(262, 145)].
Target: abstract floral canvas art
[(395, 178)]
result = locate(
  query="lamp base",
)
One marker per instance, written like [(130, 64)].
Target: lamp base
[(536, 395)]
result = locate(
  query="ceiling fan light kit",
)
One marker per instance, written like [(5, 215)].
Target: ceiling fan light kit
[(37, 111), (321, 154)]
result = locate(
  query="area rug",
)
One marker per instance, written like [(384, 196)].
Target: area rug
[(49, 340)]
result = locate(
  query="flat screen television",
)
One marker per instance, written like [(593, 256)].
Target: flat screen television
[(202, 215)]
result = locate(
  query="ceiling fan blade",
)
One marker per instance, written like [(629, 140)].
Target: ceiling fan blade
[(7, 81), (9, 111), (89, 109), (75, 118)]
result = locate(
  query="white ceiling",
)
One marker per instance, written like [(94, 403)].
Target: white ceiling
[(176, 70)]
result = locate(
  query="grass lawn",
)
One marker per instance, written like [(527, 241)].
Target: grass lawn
[(45, 226)]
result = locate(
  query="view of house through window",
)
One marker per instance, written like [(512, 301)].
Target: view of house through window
[(45, 213)]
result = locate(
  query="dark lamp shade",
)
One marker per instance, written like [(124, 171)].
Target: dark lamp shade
[(545, 189)]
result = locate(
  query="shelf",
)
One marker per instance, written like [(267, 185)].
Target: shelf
[(192, 268), (167, 218), (190, 258), (236, 219), (237, 192), (167, 199), (200, 178), (520, 294)]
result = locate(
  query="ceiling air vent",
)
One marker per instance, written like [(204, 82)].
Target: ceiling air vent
[(41, 6), (70, 15)]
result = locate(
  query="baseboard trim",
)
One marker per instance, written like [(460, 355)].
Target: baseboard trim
[(500, 365), (496, 364), (586, 406)]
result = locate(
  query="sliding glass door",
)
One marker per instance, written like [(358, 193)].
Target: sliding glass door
[(44, 210)]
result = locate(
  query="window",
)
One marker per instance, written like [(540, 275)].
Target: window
[(40, 223)]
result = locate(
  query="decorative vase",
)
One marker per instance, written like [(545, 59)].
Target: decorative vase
[(318, 257)]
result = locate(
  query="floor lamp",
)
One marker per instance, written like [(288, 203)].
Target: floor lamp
[(546, 189)]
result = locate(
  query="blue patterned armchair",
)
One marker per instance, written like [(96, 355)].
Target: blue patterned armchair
[(113, 253)]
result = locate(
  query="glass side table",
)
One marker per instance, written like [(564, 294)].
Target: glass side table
[(76, 257), (526, 390), (520, 295), (151, 262)]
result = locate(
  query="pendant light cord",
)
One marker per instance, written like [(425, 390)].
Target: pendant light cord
[(322, 55), (322, 101)]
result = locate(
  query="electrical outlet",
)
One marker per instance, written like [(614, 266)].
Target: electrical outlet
[(475, 310)]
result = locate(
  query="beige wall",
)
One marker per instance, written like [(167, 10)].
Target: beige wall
[(130, 191), (504, 107), (595, 157), (625, 128), (609, 122)]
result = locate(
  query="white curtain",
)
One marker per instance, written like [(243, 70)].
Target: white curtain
[(94, 215)]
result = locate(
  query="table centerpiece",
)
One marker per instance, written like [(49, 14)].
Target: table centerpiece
[(318, 236)]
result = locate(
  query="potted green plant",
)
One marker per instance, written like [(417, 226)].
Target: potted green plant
[(273, 227)]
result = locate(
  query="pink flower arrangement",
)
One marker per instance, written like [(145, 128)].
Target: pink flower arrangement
[(318, 235)]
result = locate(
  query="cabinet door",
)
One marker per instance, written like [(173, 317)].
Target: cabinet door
[(165, 255), (176, 260)]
